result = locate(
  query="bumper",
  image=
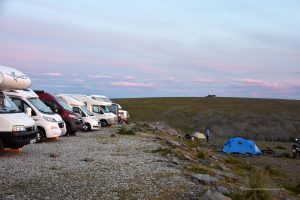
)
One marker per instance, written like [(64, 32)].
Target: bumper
[(77, 125), (55, 130), (96, 126), (17, 139)]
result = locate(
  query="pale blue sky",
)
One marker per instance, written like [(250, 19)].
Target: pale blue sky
[(152, 48)]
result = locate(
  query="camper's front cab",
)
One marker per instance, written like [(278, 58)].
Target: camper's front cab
[(16, 129)]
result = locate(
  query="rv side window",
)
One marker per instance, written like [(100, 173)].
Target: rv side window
[(96, 109), (22, 105), (79, 111)]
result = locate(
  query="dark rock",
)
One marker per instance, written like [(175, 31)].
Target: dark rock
[(113, 135), (54, 155), (88, 159)]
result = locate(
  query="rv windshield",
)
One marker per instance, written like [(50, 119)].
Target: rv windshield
[(86, 110), (63, 104), (6, 105), (38, 104)]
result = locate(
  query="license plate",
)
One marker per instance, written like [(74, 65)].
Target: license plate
[(32, 141)]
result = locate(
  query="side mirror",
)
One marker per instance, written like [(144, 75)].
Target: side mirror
[(101, 112), (56, 110), (28, 112)]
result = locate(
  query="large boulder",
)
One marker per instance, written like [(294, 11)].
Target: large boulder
[(205, 179)]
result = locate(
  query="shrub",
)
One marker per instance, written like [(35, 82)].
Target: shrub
[(201, 155), (271, 171), (124, 131), (257, 184)]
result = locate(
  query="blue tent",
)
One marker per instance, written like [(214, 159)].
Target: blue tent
[(241, 146)]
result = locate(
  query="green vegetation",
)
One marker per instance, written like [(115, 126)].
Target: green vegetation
[(271, 171), (201, 155), (124, 131), (200, 169), (252, 118), (238, 166), (294, 188), (162, 151), (257, 185)]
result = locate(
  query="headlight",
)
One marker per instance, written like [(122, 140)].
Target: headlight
[(16, 128), (49, 119), (73, 116)]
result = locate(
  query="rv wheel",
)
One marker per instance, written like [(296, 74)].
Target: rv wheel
[(40, 136), (104, 123), (88, 127), (1, 144)]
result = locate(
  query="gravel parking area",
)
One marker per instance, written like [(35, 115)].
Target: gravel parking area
[(93, 165)]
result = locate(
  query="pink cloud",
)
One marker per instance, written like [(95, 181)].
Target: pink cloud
[(133, 84), (261, 83), (100, 76), (51, 74), (203, 80)]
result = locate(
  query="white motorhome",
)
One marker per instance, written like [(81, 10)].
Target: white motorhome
[(16, 128), (49, 124), (90, 120), (98, 108)]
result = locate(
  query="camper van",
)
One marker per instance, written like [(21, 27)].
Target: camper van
[(98, 108), (73, 121), (49, 124), (16, 128), (89, 119)]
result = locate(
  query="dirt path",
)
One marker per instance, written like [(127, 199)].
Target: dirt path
[(93, 166)]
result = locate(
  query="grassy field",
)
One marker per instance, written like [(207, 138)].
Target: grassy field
[(260, 119)]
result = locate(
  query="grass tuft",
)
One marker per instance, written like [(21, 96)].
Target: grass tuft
[(162, 151), (294, 188), (257, 185), (200, 169), (124, 131)]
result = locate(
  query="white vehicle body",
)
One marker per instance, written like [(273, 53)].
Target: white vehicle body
[(49, 124), (98, 108), (90, 120), (16, 128), (125, 115)]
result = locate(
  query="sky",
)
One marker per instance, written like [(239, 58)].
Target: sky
[(154, 48)]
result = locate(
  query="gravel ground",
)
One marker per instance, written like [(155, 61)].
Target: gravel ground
[(93, 165)]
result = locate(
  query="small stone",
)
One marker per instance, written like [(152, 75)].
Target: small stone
[(223, 167), (205, 179), (173, 143), (223, 190), (113, 135), (88, 159), (158, 138), (175, 161), (54, 155)]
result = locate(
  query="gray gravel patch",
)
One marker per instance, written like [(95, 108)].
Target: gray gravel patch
[(93, 165)]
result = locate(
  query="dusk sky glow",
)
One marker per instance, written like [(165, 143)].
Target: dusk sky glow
[(155, 48)]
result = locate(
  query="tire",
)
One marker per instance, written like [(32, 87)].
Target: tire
[(104, 123), (1, 144), (88, 127), (40, 136), (68, 131), (73, 133)]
